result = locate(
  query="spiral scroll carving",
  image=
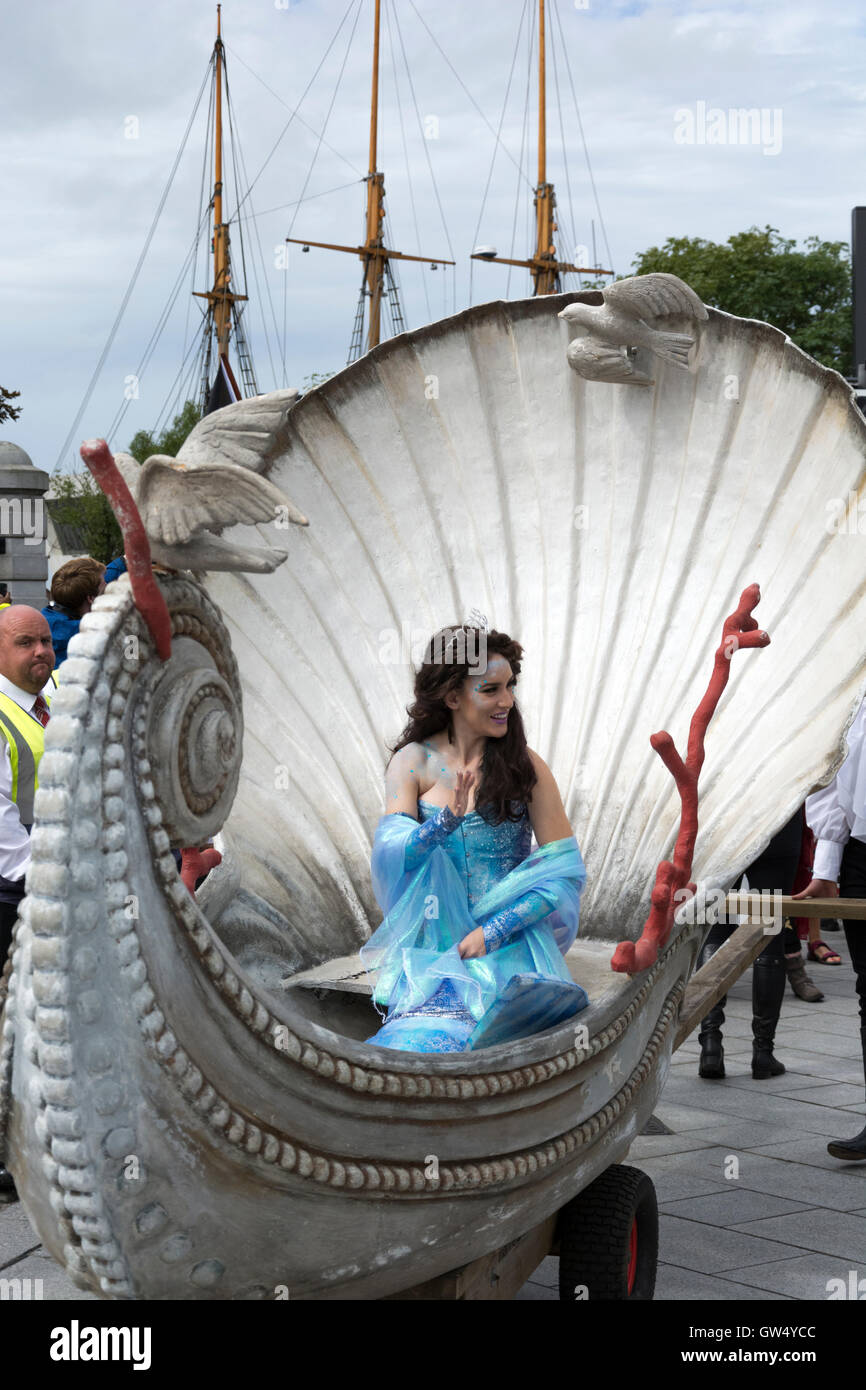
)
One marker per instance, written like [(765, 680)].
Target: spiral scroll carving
[(195, 731)]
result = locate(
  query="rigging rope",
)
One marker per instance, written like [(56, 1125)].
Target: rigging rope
[(406, 157), (161, 322), (523, 144), (426, 144), (567, 176), (295, 116), (498, 141), (239, 171), (303, 95), (583, 137), (319, 143), (132, 283), (467, 91)]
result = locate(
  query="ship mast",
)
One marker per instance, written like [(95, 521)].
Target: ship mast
[(221, 298), (378, 281), (543, 265)]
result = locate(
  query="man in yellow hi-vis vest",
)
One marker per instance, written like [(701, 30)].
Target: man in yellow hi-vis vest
[(26, 687)]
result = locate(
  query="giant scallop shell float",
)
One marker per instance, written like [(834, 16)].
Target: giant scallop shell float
[(188, 1105)]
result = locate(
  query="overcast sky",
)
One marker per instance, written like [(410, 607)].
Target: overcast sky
[(96, 96)]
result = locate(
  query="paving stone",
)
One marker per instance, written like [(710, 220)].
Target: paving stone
[(734, 1206), (654, 1145), (837, 1189), (684, 1118), (672, 1185), (806, 1277), (674, 1283), (783, 1111), (821, 1044), (690, 1245), (811, 1064), (16, 1234), (56, 1284), (842, 1094), (536, 1292), (790, 1081), (738, 1134), (829, 1232), (548, 1273), (813, 1152), (830, 1023)]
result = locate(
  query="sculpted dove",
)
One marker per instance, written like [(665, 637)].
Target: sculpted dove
[(214, 483), (620, 317)]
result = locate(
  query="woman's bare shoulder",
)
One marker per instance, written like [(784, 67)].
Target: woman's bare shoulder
[(538, 763)]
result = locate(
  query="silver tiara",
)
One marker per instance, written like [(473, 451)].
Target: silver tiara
[(478, 619)]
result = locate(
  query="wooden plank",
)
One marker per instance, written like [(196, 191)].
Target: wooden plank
[(746, 943), (492, 1277), (749, 903)]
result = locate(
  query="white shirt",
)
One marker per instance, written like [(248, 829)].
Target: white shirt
[(838, 811), (14, 839)]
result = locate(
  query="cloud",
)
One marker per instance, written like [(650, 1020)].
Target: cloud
[(80, 194)]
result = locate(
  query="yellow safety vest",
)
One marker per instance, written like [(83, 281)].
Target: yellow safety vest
[(26, 739)]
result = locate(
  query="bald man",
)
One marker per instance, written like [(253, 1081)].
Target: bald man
[(26, 687)]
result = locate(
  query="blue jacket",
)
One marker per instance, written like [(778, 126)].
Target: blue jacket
[(63, 626), (115, 569)]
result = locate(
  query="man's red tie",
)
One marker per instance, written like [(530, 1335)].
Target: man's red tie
[(41, 710)]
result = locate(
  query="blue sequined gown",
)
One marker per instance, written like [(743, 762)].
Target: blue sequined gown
[(522, 987)]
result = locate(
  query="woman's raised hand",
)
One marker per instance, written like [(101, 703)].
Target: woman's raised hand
[(465, 782)]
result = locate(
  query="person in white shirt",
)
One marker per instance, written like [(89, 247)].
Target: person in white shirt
[(26, 687), (837, 815)]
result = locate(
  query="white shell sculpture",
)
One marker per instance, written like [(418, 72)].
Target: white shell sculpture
[(187, 1102), (463, 466)]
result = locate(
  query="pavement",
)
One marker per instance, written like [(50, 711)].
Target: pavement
[(752, 1207)]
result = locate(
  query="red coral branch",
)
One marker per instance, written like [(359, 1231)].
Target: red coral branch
[(739, 630), (195, 863), (146, 593)]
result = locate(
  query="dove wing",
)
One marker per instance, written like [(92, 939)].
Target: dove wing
[(597, 361), (177, 503), (248, 433), (653, 296)]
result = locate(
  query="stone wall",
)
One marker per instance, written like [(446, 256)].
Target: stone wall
[(23, 562)]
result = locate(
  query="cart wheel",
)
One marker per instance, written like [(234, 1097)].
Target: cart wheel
[(609, 1239)]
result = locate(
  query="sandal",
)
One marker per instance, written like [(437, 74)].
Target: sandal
[(822, 953)]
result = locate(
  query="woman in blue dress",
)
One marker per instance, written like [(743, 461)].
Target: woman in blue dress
[(470, 951)]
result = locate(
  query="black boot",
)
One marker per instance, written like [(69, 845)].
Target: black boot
[(712, 1064), (768, 989), (7, 1186), (853, 1150)]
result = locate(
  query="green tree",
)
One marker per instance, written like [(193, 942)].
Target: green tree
[(7, 411), (313, 380), (758, 274), (169, 441), (79, 501)]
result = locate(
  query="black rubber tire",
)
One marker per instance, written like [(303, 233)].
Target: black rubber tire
[(594, 1233)]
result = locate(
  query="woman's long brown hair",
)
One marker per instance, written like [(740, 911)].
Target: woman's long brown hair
[(507, 773)]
